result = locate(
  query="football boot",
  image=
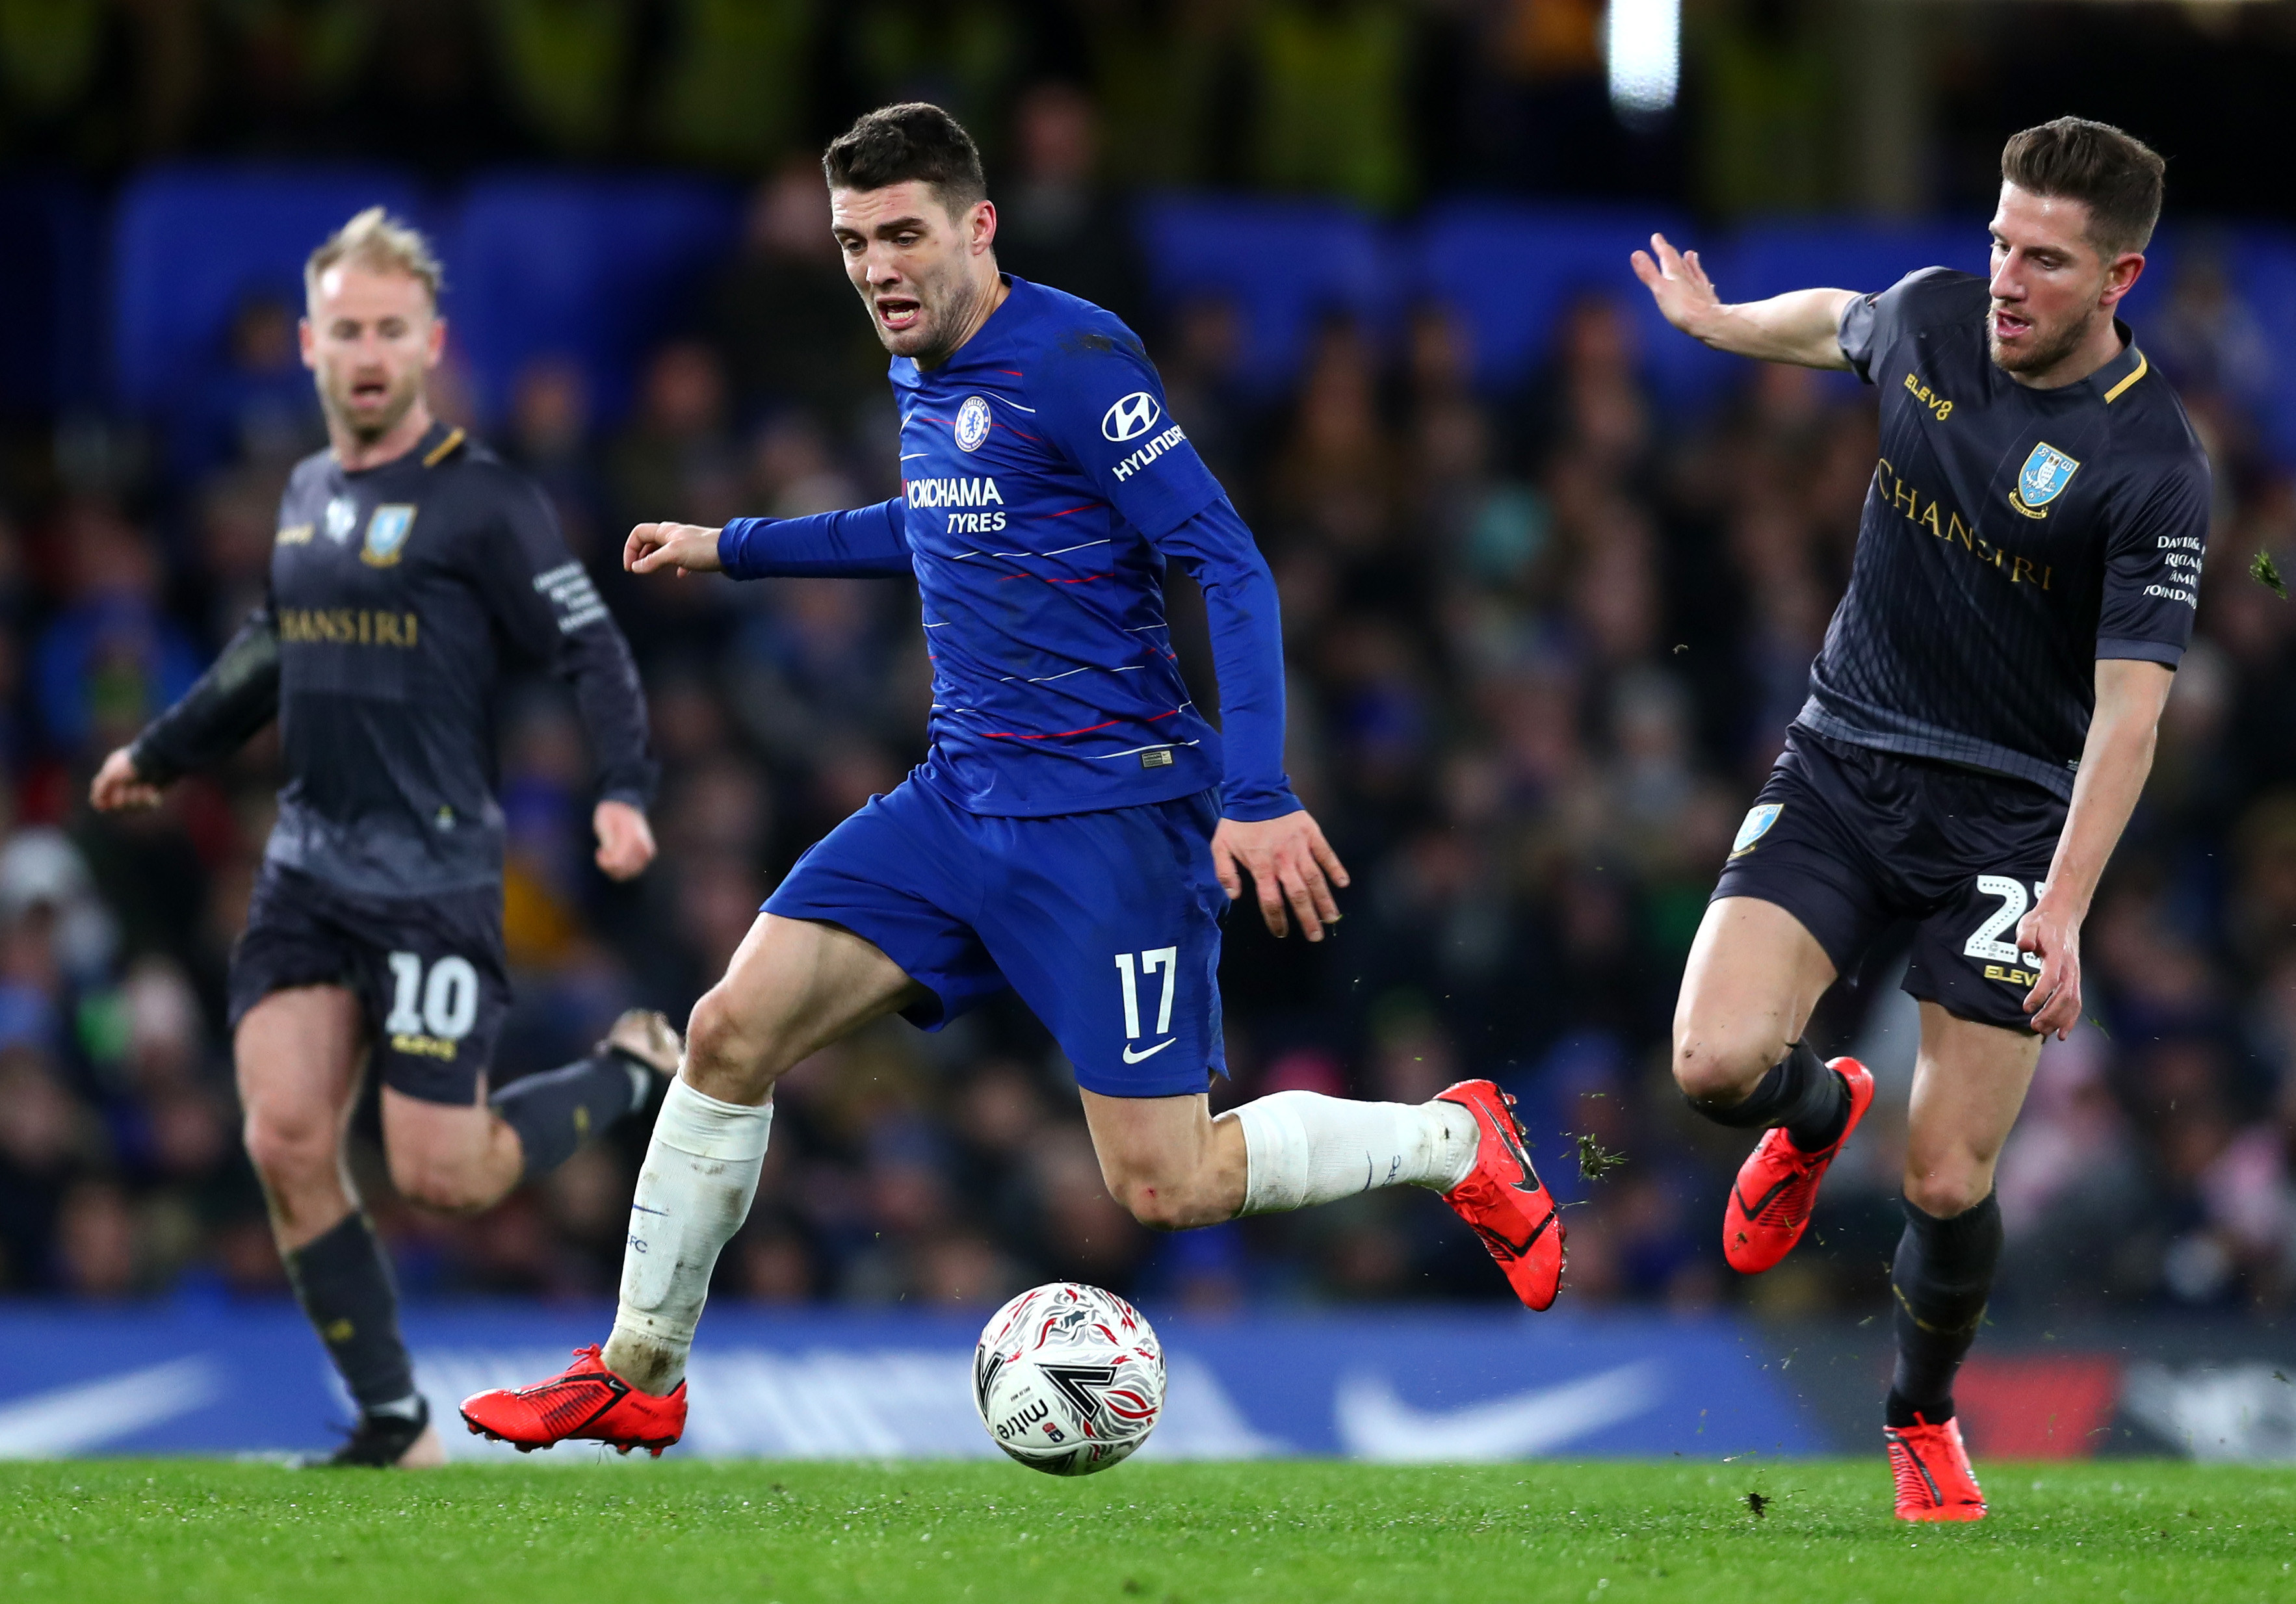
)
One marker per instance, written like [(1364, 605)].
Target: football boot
[(585, 1402), (1770, 1200), (1931, 1470), (1502, 1197)]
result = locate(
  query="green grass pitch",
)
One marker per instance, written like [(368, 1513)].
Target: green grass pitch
[(92, 1531)]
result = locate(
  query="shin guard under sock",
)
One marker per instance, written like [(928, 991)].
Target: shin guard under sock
[(343, 1281), (701, 1173), (1942, 1276), (1799, 1093), (557, 1111)]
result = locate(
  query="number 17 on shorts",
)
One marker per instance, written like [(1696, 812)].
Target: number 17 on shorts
[(1166, 960)]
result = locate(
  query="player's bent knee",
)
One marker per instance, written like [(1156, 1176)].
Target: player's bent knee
[(727, 1055), (1949, 1190), (1163, 1204), (287, 1151), (1721, 1065), (444, 1188)]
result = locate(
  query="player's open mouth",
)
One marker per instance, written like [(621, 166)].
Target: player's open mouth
[(899, 314), (2008, 325), (370, 392)]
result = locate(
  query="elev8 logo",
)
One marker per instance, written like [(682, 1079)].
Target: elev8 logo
[(1131, 417)]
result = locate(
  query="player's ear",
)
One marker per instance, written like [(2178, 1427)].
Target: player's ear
[(983, 223), (307, 343), (2122, 277), (434, 349)]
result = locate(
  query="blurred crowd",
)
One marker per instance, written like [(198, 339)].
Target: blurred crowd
[(1544, 639)]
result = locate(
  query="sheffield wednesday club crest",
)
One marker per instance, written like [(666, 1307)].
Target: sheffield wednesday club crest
[(2042, 480)]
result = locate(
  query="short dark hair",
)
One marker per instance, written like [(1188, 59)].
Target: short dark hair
[(2117, 175), (895, 144)]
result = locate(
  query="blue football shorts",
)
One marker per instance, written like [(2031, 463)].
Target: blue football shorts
[(1107, 924)]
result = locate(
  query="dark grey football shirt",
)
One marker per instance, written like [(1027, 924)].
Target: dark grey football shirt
[(2011, 537), (392, 592)]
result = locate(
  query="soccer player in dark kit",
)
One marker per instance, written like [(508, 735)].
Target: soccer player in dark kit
[(1075, 832), (406, 553), (1979, 723)]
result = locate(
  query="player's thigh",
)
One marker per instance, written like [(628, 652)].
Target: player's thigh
[(1754, 976), (1970, 1082), (448, 1156), (1166, 1159), (794, 985), (1108, 925), (297, 1054)]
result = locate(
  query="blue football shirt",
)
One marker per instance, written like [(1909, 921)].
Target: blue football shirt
[(1044, 487)]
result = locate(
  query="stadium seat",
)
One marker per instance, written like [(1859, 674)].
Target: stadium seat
[(591, 268), (192, 242), (1285, 264)]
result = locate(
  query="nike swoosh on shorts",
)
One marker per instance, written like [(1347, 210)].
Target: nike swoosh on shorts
[(1131, 1056)]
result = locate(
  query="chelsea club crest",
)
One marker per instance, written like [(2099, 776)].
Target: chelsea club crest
[(972, 424), (2042, 480), (386, 536)]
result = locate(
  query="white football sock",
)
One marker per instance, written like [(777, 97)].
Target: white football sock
[(701, 1173), (1302, 1147)]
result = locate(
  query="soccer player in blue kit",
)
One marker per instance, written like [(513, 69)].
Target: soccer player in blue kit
[(1078, 827)]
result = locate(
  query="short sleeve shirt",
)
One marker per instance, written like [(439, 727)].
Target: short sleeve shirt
[(2011, 537)]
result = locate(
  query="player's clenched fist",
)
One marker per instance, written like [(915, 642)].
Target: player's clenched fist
[(1289, 861), (685, 548), (117, 786)]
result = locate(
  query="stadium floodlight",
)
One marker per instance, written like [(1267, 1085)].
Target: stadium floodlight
[(1643, 42)]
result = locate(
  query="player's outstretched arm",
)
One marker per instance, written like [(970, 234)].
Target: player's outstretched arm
[(1290, 863), (237, 697), (682, 548), (1801, 326), (2115, 760)]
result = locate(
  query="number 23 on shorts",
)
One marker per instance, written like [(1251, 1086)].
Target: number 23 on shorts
[(2002, 960)]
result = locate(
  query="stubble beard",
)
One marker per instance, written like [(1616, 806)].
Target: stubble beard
[(2046, 354), (375, 426)]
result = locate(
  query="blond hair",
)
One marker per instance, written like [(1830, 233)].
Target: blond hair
[(379, 242)]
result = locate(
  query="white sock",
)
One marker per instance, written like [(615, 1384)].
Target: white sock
[(700, 1172), (1302, 1147)]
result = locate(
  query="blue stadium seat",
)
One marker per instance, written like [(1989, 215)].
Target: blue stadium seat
[(1508, 269), (190, 243), (595, 269), (1284, 264)]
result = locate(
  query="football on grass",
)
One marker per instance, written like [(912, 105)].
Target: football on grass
[(1068, 1379)]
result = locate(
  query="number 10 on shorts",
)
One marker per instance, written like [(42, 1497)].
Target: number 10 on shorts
[(1155, 959), (433, 1011)]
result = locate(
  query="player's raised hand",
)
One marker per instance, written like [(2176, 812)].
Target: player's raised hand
[(119, 787), (1289, 862), (1686, 296), (625, 840), (2053, 937), (683, 548)]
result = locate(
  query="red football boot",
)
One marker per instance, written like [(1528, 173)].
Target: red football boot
[(1931, 1470), (1770, 1201), (585, 1402), (1502, 1197)]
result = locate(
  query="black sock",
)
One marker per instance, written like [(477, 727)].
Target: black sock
[(343, 1281), (1799, 1093), (1942, 1277), (557, 1111)]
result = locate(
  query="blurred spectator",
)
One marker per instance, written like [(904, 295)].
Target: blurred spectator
[(1056, 223), (1332, 78), (731, 86), (111, 660), (792, 331)]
